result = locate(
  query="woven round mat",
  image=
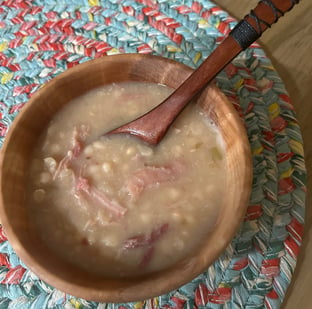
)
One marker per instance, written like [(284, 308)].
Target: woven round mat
[(40, 39)]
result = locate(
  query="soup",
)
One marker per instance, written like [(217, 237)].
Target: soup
[(114, 205)]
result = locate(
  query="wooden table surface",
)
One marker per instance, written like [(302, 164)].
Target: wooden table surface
[(289, 46)]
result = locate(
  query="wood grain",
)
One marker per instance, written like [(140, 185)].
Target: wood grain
[(289, 45)]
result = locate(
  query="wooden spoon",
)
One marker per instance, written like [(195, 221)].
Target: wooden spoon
[(152, 126)]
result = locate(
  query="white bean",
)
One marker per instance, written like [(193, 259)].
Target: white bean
[(50, 164), (99, 145), (177, 150), (55, 148), (185, 234), (145, 218), (94, 170), (107, 167), (145, 150), (110, 240), (131, 151), (190, 220), (125, 167), (88, 151), (39, 195), (45, 178), (109, 190), (174, 194), (177, 217)]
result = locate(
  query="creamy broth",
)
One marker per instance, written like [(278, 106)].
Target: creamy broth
[(115, 205)]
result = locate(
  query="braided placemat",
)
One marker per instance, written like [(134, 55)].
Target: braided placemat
[(40, 39)]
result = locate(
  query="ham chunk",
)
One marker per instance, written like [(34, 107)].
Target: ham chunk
[(146, 242), (83, 187), (151, 176)]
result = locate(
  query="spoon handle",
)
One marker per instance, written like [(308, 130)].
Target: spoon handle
[(266, 13), (152, 126)]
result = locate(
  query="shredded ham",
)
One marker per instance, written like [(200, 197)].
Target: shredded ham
[(82, 184), (151, 176), (63, 164), (98, 197), (146, 242), (79, 135)]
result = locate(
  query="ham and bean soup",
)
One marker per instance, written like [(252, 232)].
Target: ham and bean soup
[(115, 205)]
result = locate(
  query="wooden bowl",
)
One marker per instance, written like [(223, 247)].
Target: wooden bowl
[(35, 116)]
